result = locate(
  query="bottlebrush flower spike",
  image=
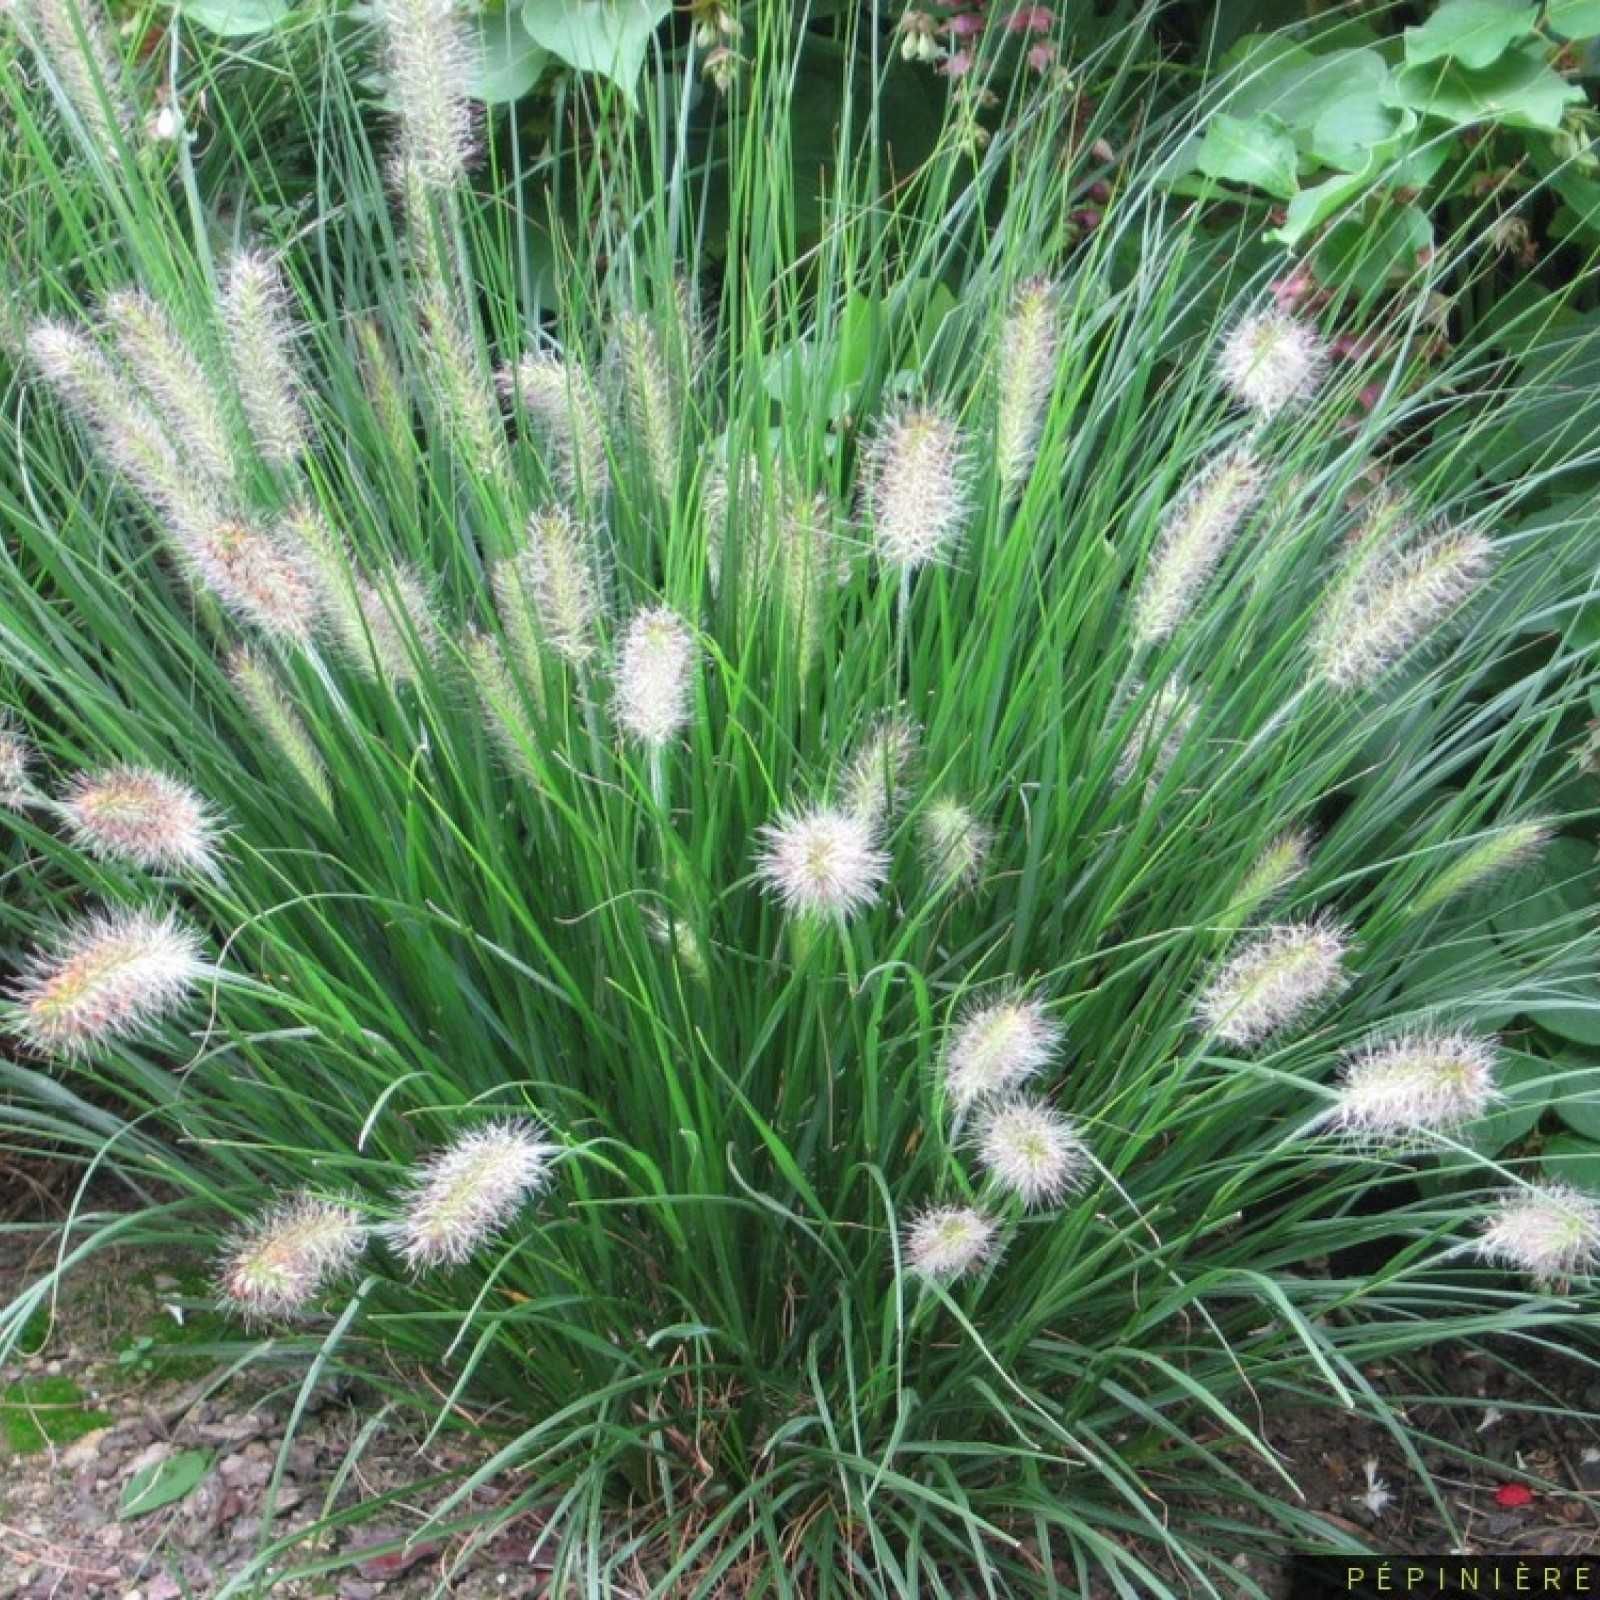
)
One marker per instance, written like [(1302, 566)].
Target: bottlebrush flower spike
[(1500, 851), (394, 627), (654, 412), (274, 1268), (1032, 1151), (822, 862), (104, 978), (1284, 860), (171, 374), (279, 721), (654, 667), (559, 398), (74, 37), (140, 815), (261, 577), (1370, 627), (255, 309), (997, 1046), (1274, 981), (504, 710), (560, 569), (461, 1197), (1194, 538), (16, 768), (916, 494), (1030, 344), (1158, 735), (1270, 361), (946, 1242), (429, 65), (874, 785), (1418, 1084), (1550, 1231), (955, 844)]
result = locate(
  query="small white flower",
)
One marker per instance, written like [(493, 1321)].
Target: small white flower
[(1270, 361), (1274, 981), (1032, 1151), (1376, 1496), (653, 676), (1550, 1231), (947, 1241), (274, 1268), (1417, 1084), (822, 862), (462, 1196), (995, 1047)]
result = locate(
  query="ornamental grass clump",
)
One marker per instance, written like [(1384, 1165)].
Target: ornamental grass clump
[(813, 857)]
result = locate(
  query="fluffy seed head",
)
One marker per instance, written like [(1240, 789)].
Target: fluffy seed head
[(505, 713), (559, 399), (1284, 860), (1032, 1151), (560, 571), (394, 626), (915, 477), (276, 1267), (1196, 535), (995, 1047), (429, 74), (1418, 1084), (461, 1197), (1274, 981), (945, 1242), (822, 862), (1029, 345), (255, 309), (955, 844), (1158, 733), (74, 37), (261, 577), (139, 815), (1397, 604), (104, 978), (874, 783), (654, 665), (271, 707), (651, 398), (1503, 850), (1270, 361), (1550, 1231), (16, 763)]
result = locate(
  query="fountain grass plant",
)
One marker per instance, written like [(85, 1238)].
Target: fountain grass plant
[(781, 864)]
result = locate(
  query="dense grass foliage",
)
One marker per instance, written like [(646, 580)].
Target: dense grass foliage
[(856, 888)]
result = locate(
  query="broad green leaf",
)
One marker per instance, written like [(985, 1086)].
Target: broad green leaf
[(1520, 90), (1355, 125), (1475, 33), (1370, 254), (1577, 1097), (1312, 207), (163, 1482), (1575, 19), (609, 37), (506, 62), (233, 19), (1573, 1160), (1255, 151)]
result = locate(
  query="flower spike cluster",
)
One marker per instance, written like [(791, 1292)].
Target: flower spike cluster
[(1274, 982), (141, 816), (273, 1269)]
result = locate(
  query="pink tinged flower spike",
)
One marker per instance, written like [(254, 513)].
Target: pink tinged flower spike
[(822, 862), (139, 815), (1416, 1085), (1033, 1152), (655, 666), (105, 978), (274, 1268), (263, 578), (430, 67), (1029, 347), (166, 367), (16, 769), (463, 1196), (1398, 603), (279, 721), (1195, 536), (1551, 1231), (1274, 982), (915, 471), (1270, 361), (560, 570), (560, 400), (255, 310), (391, 629), (946, 1242), (993, 1048)]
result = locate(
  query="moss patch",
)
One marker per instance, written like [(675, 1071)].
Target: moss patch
[(35, 1412)]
